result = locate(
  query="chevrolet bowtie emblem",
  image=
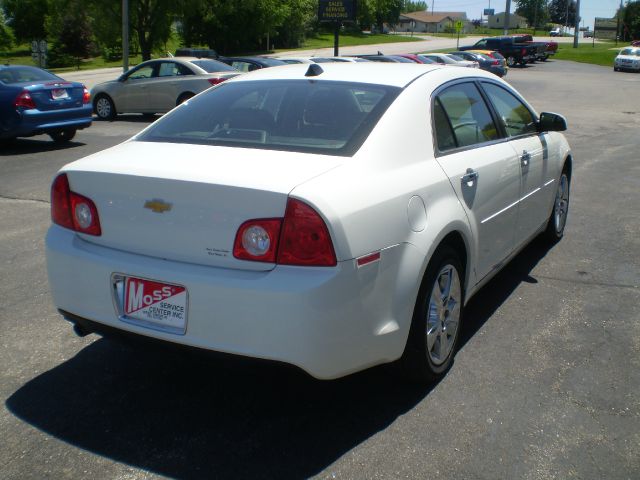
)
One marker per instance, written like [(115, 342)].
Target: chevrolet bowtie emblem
[(157, 206)]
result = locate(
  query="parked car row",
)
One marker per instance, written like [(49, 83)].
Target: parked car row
[(516, 49), (34, 101)]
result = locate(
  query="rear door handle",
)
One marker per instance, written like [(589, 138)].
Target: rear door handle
[(469, 177), (525, 158)]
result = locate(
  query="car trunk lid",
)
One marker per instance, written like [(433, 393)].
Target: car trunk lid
[(186, 202)]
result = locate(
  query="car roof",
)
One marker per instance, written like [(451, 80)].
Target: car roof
[(390, 74)]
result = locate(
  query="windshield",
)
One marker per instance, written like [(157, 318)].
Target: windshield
[(26, 74), (631, 51), (211, 66), (294, 115)]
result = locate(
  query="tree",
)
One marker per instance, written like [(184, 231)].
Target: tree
[(535, 11), (410, 6), (558, 12), (631, 20), (26, 18), (6, 37), (151, 23)]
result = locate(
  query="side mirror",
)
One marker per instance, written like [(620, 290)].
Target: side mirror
[(552, 122)]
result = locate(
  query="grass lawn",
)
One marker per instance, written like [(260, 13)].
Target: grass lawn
[(599, 54), (325, 40)]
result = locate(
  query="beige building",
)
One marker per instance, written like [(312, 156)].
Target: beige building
[(515, 21), (425, 22)]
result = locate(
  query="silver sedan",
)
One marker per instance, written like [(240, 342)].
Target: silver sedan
[(157, 86)]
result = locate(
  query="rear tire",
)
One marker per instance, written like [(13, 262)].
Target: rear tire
[(558, 218), (511, 61), (63, 135), (104, 107), (437, 318)]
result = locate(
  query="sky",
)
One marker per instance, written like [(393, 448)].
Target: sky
[(589, 9)]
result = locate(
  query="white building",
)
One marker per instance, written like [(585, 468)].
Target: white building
[(515, 21), (425, 22)]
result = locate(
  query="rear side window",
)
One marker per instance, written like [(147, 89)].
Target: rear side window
[(312, 116), (515, 116), (467, 115)]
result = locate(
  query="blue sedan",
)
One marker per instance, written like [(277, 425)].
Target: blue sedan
[(34, 101)]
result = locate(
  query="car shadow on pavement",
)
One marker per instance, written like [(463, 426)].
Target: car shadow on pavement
[(27, 146), (185, 416)]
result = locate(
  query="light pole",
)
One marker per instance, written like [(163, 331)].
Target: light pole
[(507, 14), (576, 31), (125, 35)]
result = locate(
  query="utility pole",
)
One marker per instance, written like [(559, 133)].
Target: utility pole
[(125, 35), (432, 2), (566, 15), (507, 14), (576, 32)]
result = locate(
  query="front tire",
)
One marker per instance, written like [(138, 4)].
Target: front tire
[(437, 318), (511, 61), (558, 218), (63, 135), (104, 107)]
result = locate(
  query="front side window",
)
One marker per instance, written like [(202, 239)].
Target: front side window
[(515, 116), (467, 115), (293, 115), (142, 72)]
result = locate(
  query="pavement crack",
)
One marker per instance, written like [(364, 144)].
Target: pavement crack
[(591, 282), (26, 200)]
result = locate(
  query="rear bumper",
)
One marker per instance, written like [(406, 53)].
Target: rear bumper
[(327, 321), (35, 122)]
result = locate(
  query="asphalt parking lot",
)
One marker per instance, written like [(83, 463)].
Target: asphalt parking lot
[(546, 384)]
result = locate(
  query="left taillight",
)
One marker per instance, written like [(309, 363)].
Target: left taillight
[(24, 100), (86, 96), (72, 210)]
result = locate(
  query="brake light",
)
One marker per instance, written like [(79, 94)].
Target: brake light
[(524, 52), (495, 62), (305, 237), (86, 96), (300, 238), (216, 81), (72, 210), (24, 100)]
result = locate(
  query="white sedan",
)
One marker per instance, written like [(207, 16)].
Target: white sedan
[(332, 216)]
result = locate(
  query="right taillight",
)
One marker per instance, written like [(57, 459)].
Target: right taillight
[(72, 210), (216, 81), (305, 239), (300, 238)]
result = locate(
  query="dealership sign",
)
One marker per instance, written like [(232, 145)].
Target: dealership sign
[(337, 10)]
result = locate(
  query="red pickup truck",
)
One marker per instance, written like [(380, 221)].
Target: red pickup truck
[(543, 49)]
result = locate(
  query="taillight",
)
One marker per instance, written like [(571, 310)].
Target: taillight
[(495, 62), (300, 238), (524, 52), (305, 239), (72, 210), (258, 240), (86, 96), (24, 100), (216, 81)]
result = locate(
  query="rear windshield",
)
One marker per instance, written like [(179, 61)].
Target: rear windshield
[(312, 116), (211, 66), (26, 74)]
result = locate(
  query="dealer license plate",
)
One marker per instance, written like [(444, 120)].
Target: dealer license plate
[(59, 94), (152, 304)]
